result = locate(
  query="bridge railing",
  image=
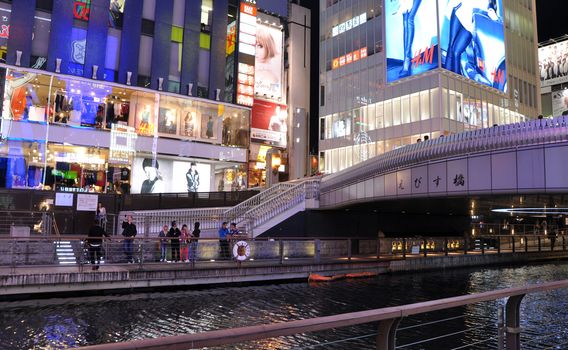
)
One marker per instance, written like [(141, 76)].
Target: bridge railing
[(55, 251), (387, 319), (494, 138)]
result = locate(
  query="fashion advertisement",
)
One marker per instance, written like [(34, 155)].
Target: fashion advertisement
[(412, 43), (144, 118), (208, 127), (269, 123), (559, 102), (191, 177), (268, 62), (553, 64), (188, 124), (116, 11), (167, 121), (472, 40), (162, 175)]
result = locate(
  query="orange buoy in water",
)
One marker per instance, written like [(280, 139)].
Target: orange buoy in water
[(361, 274), (314, 277)]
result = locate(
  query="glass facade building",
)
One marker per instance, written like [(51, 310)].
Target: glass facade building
[(121, 95), (391, 73)]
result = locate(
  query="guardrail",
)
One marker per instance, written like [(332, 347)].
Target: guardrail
[(498, 137), (388, 319), (46, 251)]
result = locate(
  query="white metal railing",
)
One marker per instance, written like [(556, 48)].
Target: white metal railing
[(280, 203), (236, 213), (498, 137), (249, 214)]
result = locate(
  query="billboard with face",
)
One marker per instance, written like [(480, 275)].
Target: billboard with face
[(269, 123), (162, 175), (553, 64), (472, 40), (412, 40), (268, 62)]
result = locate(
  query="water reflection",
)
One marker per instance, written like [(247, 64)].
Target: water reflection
[(65, 323)]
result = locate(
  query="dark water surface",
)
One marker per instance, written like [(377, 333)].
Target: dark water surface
[(72, 322)]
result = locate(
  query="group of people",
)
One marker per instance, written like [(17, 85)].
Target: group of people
[(183, 243)]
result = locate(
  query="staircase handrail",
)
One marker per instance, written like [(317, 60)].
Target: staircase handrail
[(282, 202), (234, 212)]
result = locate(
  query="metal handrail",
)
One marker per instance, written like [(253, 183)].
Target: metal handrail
[(511, 135), (383, 315)]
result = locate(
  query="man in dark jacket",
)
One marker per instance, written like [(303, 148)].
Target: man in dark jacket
[(129, 232), (95, 242), (174, 234)]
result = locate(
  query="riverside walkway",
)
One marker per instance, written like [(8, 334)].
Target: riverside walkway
[(292, 260)]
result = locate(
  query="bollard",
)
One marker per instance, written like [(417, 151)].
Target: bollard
[(281, 251), (512, 320), (446, 248), (349, 250), (513, 241), (425, 249), (404, 248), (378, 248)]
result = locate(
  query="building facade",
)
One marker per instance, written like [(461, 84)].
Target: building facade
[(132, 96), (393, 73)]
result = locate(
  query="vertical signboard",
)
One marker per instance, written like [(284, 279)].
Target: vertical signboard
[(552, 63), (246, 52), (269, 62)]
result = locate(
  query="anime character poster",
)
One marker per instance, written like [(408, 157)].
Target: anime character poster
[(472, 40), (412, 40)]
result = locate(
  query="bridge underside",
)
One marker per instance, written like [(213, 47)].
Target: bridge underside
[(440, 216)]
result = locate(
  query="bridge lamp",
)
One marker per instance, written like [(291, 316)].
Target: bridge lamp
[(276, 162)]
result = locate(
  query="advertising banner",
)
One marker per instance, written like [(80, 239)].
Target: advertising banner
[(559, 102), (162, 175), (472, 40), (269, 123), (412, 43), (553, 64), (268, 62)]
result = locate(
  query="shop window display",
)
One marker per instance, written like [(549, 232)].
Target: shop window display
[(143, 104)]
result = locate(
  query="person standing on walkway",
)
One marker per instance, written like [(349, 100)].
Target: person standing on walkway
[(174, 235), (193, 242), (102, 215), (163, 242), (184, 242), (95, 242), (224, 238), (129, 232)]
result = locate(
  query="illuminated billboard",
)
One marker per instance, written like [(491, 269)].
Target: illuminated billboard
[(412, 40), (553, 64), (269, 62), (472, 40), (163, 175), (269, 123)]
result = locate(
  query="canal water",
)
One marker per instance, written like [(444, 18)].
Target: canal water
[(72, 322)]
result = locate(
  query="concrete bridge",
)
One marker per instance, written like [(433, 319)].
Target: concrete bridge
[(521, 158)]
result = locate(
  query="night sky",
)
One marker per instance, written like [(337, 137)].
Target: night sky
[(551, 17)]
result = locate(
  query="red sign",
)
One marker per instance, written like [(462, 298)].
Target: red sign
[(335, 63), (269, 122), (82, 9), (248, 9), (5, 31), (363, 52), (349, 58)]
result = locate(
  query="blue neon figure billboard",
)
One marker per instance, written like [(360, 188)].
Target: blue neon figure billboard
[(412, 37), (472, 40)]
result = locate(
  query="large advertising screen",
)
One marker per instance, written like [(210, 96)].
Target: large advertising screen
[(269, 123), (412, 41), (553, 64), (268, 62), (472, 40), (162, 175)]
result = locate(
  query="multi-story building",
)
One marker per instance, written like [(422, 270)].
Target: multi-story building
[(137, 96), (397, 72), (553, 68)]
